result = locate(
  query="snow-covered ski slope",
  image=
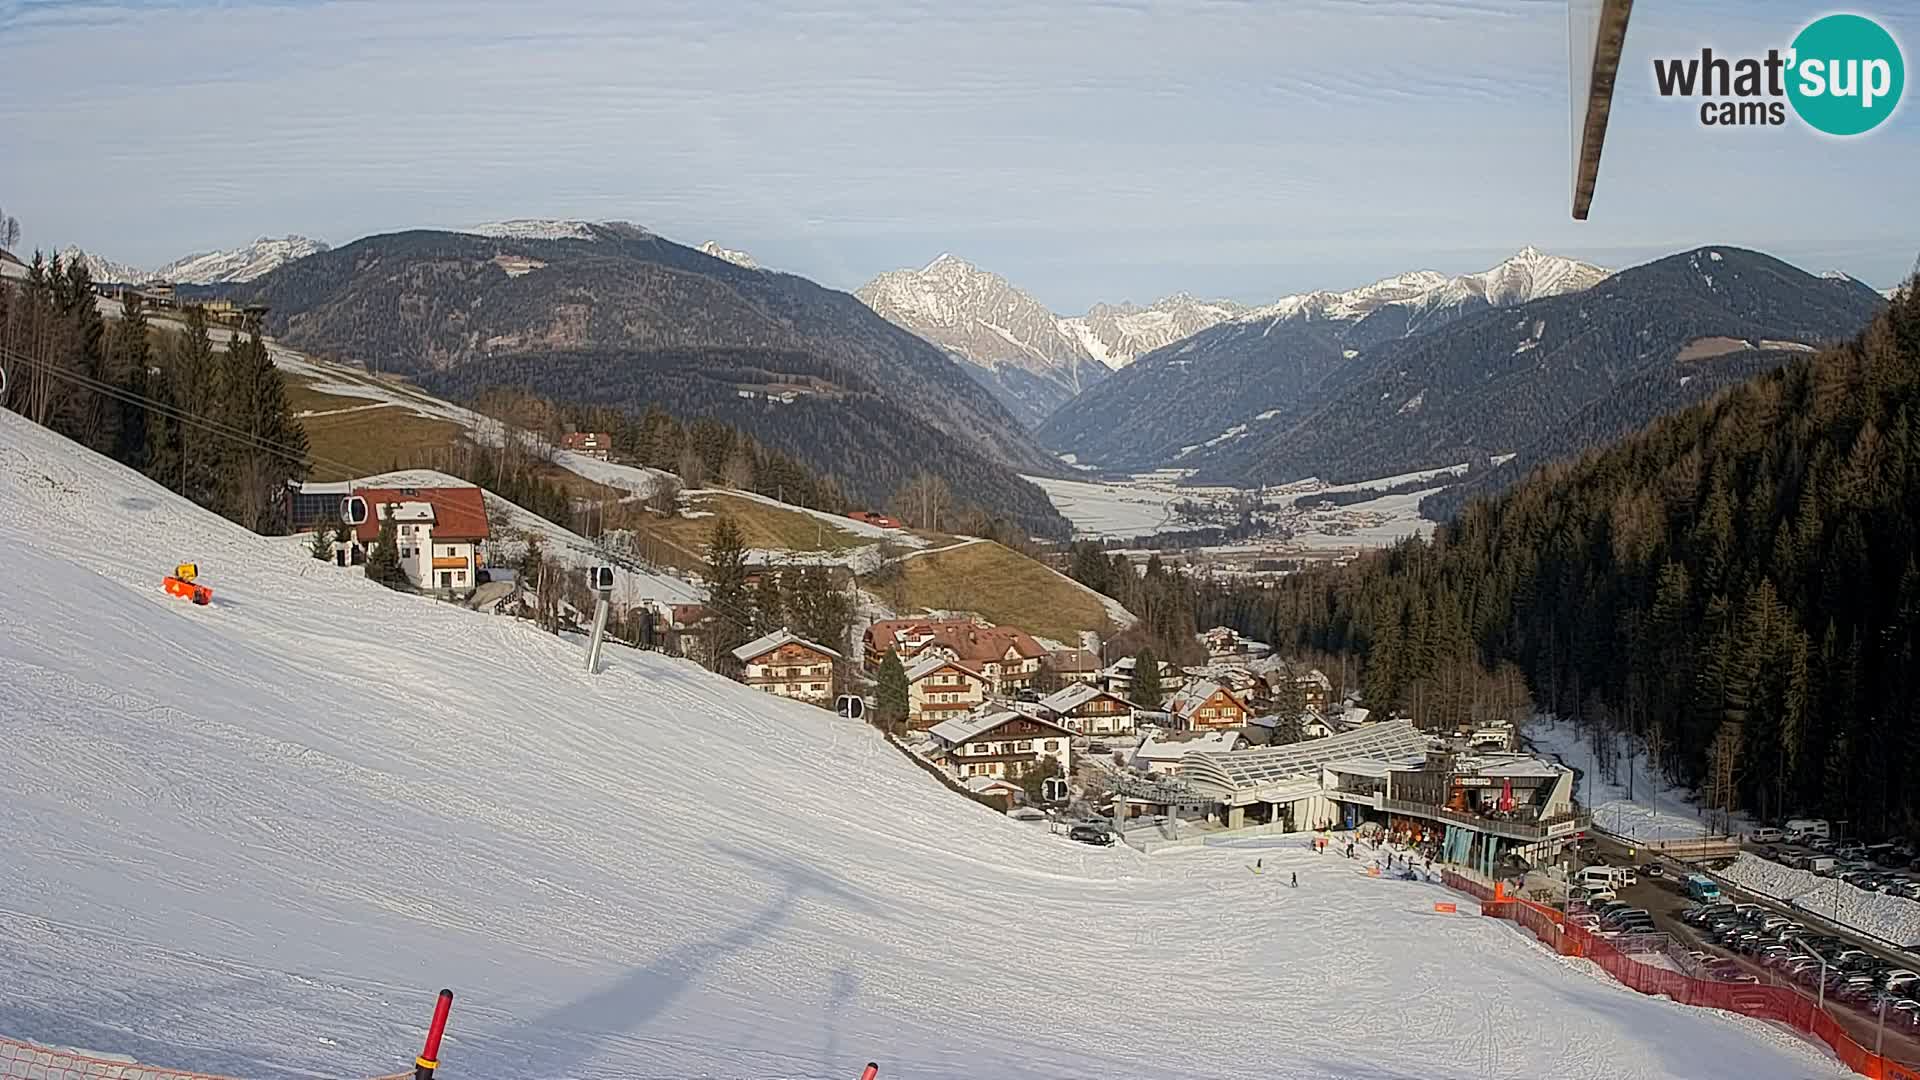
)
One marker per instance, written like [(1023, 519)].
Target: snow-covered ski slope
[(255, 838)]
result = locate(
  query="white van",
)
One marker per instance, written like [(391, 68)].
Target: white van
[(1602, 877), (1766, 834), (1804, 828)]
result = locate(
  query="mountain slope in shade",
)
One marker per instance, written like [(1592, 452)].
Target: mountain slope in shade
[(631, 318), (1508, 380), (1118, 334), (1228, 382), (1006, 338), (737, 258), (241, 264)]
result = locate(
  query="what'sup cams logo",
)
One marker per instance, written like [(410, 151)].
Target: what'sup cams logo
[(1843, 75)]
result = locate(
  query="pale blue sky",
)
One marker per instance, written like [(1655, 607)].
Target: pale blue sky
[(1090, 151)]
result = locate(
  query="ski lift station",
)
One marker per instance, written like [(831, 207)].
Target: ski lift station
[(1478, 808)]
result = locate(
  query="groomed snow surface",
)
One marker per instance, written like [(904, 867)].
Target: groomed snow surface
[(1890, 918), (255, 838)]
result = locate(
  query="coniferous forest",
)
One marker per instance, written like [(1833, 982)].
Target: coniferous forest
[(1735, 586), (212, 424)]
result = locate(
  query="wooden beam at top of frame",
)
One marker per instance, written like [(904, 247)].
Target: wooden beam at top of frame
[(1612, 38)]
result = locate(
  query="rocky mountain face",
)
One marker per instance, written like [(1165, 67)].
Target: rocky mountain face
[(1218, 383), (208, 267), (631, 314), (1118, 334), (240, 264), (1006, 339), (737, 258), (102, 269)]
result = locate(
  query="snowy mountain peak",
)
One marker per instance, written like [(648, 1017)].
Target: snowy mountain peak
[(105, 271), (1028, 359), (536, 229), (737, 258), (240, 264), (1530, 274)]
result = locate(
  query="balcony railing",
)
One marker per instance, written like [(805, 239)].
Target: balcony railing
[(1542, 829)]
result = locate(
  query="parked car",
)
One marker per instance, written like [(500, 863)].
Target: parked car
[(1090, 834), (1902, 979), (1766, 834), (1653, 870)]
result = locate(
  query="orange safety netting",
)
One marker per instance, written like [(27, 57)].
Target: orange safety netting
[(26, 1061), (1780, 1004)]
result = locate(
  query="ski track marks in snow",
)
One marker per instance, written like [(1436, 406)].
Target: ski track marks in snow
[(307, 807)]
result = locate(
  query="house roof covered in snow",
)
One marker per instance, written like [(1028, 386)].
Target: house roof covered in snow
[(967, 728), (1195, 694), (1176, 746), (764, 644), (1072, 697), (927, 665)]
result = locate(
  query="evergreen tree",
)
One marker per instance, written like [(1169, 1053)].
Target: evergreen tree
[(322, 546), (727, 594), (892, 694), (383, 562), (1146, 691), (769, 613)]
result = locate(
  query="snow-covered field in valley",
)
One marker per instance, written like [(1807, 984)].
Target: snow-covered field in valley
[(255, 838), (1890, 918)]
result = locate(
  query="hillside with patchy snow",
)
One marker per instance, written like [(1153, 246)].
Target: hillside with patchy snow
[(255, 838), (240, 264)]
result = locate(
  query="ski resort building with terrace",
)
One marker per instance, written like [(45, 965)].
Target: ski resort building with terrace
[(1474, 809), (1008, 656)]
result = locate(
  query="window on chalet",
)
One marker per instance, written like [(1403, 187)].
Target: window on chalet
[(1025, 746)]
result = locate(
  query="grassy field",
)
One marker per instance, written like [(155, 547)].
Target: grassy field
[(1006, 587), (682, 542)]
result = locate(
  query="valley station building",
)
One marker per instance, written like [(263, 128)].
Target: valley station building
[(1478, 808)]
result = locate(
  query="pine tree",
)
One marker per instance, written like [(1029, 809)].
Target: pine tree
[(769, 613), (322, 545), (1146, 691), (383, 562), (727, 594), (892, 704)]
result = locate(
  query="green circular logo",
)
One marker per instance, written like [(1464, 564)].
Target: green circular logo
[(1847, 74)]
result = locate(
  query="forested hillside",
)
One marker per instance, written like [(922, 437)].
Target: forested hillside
[(652, 322), (1640, 343), (211, 424), (864, 445), (1736, 585)]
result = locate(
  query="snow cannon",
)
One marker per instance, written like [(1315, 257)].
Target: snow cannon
[(184, 583)]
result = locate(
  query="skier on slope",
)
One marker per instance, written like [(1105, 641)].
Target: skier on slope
[(1295, 883)]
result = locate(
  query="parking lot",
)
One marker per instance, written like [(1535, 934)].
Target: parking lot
[(1703, 953)]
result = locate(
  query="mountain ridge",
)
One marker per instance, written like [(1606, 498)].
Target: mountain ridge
[(1505, 380), (1268, 359), (585, 316)]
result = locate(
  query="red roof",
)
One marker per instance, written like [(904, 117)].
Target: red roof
[(587, 440), (972, 644), (459, 513)]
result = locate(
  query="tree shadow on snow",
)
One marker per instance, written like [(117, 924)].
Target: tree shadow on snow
[(569, 1036)]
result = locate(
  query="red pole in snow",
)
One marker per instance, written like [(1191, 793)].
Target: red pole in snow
[(872, 1070), (429, 1058)]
